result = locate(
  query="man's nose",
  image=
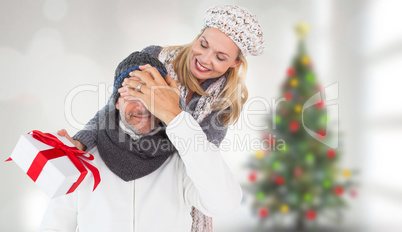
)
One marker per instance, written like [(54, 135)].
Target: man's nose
[(139, 106)]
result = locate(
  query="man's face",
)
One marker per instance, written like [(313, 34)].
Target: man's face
[(135, 116)]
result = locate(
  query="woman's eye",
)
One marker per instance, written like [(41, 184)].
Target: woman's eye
[(219, 58), (202, 45)]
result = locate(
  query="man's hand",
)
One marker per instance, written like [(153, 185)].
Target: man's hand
[(76, 143)]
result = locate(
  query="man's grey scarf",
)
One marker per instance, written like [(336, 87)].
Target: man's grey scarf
[(128, 158)]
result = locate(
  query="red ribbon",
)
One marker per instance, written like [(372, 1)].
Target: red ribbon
[(77, 156)]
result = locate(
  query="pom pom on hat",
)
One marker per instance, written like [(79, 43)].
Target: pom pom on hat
[(131, 63), (240, 25)]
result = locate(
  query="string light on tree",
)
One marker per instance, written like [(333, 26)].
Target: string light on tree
[(297, 172), (294, 126), (310, 214), (338, 190), (353, 193), (263, 212), (291, 72), (252, 177), (278, 119), (307, 197), (279, 180), (327, 184), (288, 96), (294, 82), (298, 108), (320, 104), (260, 195), (324, 119), (276, 165), (310, 158), (284, 208), (310, 77), (305, 60), (321, 133), (347, 173), (283, 148), (259, 154), (331, 153)]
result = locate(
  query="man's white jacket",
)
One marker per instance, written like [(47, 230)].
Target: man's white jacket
[(159, 202)]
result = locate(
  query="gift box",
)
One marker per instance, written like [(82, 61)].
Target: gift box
[(54, 163)]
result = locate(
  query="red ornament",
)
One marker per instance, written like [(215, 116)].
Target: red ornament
[(288, 96), (320, 104), (266, 136), (263, 212), (294, 126), (321, 133), (270, 139), (297, 171), (252, 177), (338, 191), (310, 214), (353, 193), (331, 153), (291, 72), (279, 180)]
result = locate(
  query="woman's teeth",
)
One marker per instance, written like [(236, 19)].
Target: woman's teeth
[(200, 66)]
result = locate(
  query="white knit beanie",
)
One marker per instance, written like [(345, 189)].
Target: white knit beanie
[(240, 25)]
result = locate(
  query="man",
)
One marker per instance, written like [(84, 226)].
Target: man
[(149, 180)]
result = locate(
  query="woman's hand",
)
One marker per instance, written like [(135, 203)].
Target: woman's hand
[(160, 96), (76, 143)]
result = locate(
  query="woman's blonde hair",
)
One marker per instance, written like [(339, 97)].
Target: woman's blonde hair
[(234, 94)]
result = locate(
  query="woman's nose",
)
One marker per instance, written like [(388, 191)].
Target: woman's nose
[(206, 58)]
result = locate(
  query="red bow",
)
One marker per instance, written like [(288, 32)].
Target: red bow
[(77, 156)]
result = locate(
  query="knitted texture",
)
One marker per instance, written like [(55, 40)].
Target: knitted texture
[(201, 223), (240, 25), (129, 64)]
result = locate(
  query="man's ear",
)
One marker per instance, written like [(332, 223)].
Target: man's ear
[(236, 64), (117, 104)]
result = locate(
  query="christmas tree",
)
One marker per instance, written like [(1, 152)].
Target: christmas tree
[(296, 177)]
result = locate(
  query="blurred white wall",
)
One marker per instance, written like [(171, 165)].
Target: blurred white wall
[(52, 49)]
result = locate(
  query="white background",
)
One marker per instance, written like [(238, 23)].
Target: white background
[(51, 49)]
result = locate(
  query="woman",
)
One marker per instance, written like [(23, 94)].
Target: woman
[(210, 73)]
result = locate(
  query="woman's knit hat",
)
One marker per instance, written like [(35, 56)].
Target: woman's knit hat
[(240, 25), (131, 63)]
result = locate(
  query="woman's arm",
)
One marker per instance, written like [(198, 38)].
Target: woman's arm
[(209, 186)]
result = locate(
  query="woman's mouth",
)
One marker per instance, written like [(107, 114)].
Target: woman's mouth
[(200, 68)]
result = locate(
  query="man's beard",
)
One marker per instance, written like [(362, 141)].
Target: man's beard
[(126, 119)]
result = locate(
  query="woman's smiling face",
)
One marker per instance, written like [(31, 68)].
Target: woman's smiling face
[(213, 54)]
